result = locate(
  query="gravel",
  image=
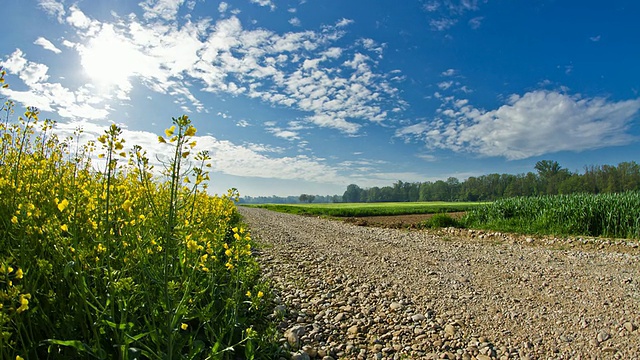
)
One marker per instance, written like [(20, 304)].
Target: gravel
[(352, 292)]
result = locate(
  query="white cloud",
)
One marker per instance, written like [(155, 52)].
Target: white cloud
[(242, 123), (446, 13), (539, 122), (223, 7), (442, 24), (50, 96), (165, 9), (47, 45), (595, 38), (295, 21), (427, 157), (432, 6), (268, 3), (449, 72), (476, 22), (78, 19), (344, 22), (304, 70), (445, 85), (53, 8)]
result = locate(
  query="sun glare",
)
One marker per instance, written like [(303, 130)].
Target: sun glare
[(109, 61)]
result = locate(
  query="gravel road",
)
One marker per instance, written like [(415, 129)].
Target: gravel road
[(352, 292)]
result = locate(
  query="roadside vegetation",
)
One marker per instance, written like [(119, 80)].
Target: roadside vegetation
[(601, 215), (370, 209), (102, 259)]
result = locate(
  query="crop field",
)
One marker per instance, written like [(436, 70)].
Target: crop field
[(605, 215), (372, 209), (108, 261)]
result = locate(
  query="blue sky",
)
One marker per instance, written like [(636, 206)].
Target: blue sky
[(308, 96)]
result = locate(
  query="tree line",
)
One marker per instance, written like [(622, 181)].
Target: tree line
[(549, 178)]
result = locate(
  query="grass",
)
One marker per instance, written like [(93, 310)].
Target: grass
[(370, 209), (601, 215), (117, 263)]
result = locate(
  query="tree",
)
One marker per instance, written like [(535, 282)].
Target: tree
[(547, 168), (307, 198), (352, 194)]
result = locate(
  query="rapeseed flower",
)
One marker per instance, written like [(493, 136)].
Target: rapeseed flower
[(24, 303), (192, 245), (126, 206), (184, 326)]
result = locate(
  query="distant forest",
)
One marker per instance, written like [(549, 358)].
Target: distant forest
[(549, 179)]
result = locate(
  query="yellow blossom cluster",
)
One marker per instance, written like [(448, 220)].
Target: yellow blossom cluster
[(88, 241)]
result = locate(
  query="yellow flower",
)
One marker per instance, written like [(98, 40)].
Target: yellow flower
[(24, 303), (260, 294), (236, 236), (168, 132), (19, 273), (228, 252), (64, 227), (192, 245), (248, 294), (126, 206), (101, 248), (18, 357), (229, 265), (14, 219), (191, 130), (161, 140), (184, 326), (63, 204)]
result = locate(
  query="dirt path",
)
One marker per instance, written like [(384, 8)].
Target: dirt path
[(371, 293)]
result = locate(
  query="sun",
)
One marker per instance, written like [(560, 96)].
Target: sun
[(109, 60)]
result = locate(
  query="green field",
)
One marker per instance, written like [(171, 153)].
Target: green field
[(602, 215), (371, 209)]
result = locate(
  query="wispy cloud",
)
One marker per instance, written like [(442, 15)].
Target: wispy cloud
[(442, 23), (536, 123), (53, 8), (53, 97), (444, 14), (164, 9), (252, 160), (476, 22), (337, 87), (448, 72), (268, 3), (47, 45), (595, 38), (295, 21)]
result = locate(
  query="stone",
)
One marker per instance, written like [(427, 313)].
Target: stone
[(353, 330), (630, 326), (603, 336), (395, 306), (300, 356), (418, 317), (293, 335), (450, 330), (483, 357)]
